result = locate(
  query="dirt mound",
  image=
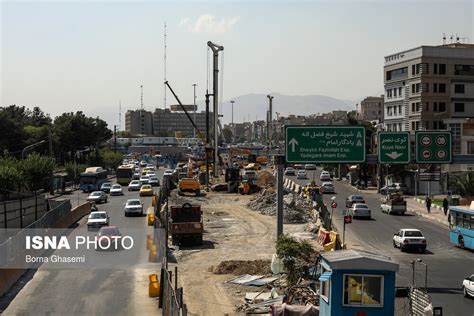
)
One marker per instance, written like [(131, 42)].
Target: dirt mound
[(239, 267), (266, 180)]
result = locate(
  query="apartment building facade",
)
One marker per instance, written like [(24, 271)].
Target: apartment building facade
[(139, 122), (166, 122), (432, 88), (372, 109)]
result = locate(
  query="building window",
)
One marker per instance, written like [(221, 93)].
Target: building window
[(458, 107), (427, 106), (470, 151), (417, 125), (325, 288), (435, 125), (412, 126), (442, 107), (413, 107), (399, 109), (435, 87), (442, 88), (400, 91), (417, 88), (363, 290), (435, 68), (458, 88), (394, 92), (435, 106), (417, 106), (413, 70), (412, 88), (464, 70), (442, 69)]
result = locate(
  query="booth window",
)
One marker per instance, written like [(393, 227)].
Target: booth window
[(363, 290), (325, 279)]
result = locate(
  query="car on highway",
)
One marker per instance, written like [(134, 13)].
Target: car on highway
[(298, 166), (144, 180), (133, 206), (351, 199), (97, 197), (143, 163), (301, 174), (105, 187), (327, 187), (134, 185), (146, 190), (105, 238), (168, 172), (154, 181), (116, 189), (136, 176), (325, 176), (360, 210), (310, 166), (151, 174), (409, 239), (468, 286), (290, 171), (394, 187), (97, 219)]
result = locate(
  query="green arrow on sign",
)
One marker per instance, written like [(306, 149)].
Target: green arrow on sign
[(394, 147)]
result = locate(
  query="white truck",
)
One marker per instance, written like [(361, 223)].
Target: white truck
[(394, 203)]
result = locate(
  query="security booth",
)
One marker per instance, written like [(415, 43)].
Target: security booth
[(357, 283)]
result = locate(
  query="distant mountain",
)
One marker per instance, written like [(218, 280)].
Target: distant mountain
[(254, 106)]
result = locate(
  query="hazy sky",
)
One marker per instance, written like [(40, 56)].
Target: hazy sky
[(88, 55)]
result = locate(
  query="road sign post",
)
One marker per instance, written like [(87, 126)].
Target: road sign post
[(325, 144), (394, 148), (433, 147)]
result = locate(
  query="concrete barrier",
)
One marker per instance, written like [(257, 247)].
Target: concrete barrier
[(297, 188)]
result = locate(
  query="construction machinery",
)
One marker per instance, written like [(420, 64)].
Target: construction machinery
[(394, 203), (185, 224), (248, 187)]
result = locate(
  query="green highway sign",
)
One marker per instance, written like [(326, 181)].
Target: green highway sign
[(433, 147), (325, 144), (394, 147)]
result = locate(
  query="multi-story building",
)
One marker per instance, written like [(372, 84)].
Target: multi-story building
[(430, 88), (166, 122), (371, 109), (139, 122)]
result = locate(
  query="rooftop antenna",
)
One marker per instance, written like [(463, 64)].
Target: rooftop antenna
[(164, 79), (444, 38), (141, 97)]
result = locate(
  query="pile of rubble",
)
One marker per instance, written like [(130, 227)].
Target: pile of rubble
[(238, 267), (295, 208), (266, 180)]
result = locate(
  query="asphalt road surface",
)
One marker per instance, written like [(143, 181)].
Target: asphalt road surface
[(104, 291), (447, 265)]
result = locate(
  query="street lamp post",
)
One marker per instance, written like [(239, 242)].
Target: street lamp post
[(194, 86), (31, 146), (413, 262)]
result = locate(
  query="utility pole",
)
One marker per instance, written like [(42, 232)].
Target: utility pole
[(207, 146), (115, 138), (194, 86), (233, 129), (215, 49), (51, 183), (279, 161)]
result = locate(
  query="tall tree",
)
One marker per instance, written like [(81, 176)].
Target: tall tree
[(36, 171)]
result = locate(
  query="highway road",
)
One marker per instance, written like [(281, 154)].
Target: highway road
[(447, 264), (89, 291)]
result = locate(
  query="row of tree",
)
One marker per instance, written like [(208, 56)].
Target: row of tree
[(69, 132)]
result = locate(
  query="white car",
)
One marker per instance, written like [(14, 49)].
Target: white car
[(360, 210), (151, 174), (97, 220), (325, 176), (97, 197), (133, 206), (409, 238), (143, 163), (134, 185), (468, 286), (116, 189), (154, 181), (168, 172), (290, 171), (301, 174), (327, 187), (144, 180), (310, 166)]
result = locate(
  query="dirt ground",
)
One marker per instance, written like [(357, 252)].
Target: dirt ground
[(231, 232)]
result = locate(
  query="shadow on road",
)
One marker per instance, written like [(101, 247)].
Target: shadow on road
[(445, 290)]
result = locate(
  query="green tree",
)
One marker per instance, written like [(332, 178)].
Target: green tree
[(227, 135), (297, 256), (464, 184), (110, 158), (10, 176), (73, 171), (36, 171)]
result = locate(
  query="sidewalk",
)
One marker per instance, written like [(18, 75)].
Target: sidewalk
[(436, 214), (418, 206)]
